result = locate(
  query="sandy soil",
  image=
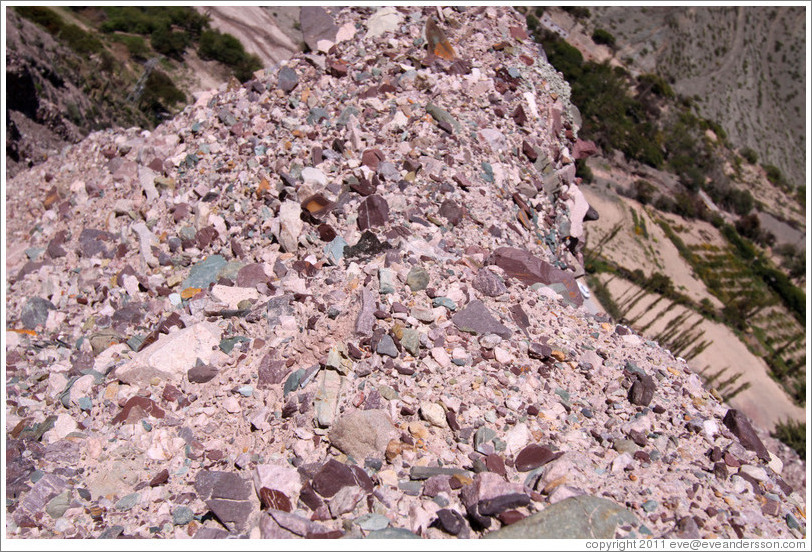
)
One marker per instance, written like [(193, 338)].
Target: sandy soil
[(656, 254), (765, 401)]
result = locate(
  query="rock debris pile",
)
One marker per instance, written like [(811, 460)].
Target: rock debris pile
[(339, 301)]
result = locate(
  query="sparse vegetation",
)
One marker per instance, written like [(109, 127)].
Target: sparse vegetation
[(602, 36), (792, 434), (227, 49)]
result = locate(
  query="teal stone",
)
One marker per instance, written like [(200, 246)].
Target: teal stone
[(625, 445), (227, 344), (392, 533), (580, 517), (417, 279), (135, 342), (204, 273), (372, 522), (36, 475), (514, 72), (85, 403), (632, 367), (196, 127), (650, 505), (231, 270), (487, 176), (34, 252), (335, 249), (317, 115), (563, 393), (793, 523), (191, 160), (128, 502), (444, 302), (246, 390), (344, 118), (482, 436), (499, 445), (292, 383), (146, 425)]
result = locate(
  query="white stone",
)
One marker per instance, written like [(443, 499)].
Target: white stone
[(345, 32), (502, 356), (756, 472), (775, 463), (290, 226), (441, 356), (711, 428), (433, 413), (382, 21), (314, 177), (172, 355), (517, 438), (64, 425), (232, 295), (232, 405)]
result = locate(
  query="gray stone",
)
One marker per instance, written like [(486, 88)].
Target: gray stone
[(737, 423), (580, 517), (386, 281), (287, 79), (386, 346), (365, 321), (35, 312), (173, 355), (362, 433), (392, 533), (316, 25), (372, 522), (182, 515), (642, 390), (475, 318), (418, 278)]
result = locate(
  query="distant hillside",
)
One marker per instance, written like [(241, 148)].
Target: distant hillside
[(744, 66)]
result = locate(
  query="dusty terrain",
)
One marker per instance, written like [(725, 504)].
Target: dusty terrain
[(280, 315)]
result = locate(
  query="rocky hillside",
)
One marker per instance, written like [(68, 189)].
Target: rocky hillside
[(74, 70), (340, 301)]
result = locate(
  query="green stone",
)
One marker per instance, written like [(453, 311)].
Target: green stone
[(204, 273), (625, 445), (417, 279), (58, 505), (580, 517), (444, 302), (392, 533), (128, 502), (411, 341)]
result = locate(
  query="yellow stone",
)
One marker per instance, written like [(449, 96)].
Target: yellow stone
[(559, 355), (673, 371), (418, 430), (189, 292)]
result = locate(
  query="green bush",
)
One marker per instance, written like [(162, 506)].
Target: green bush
[(750, 155), (79, 41), (644, 191), (148, 19), (583, 171), (792, 434), (602, 36), (656, 84), (775, 176), (227, 49), (44, 17), (169, 43), (136, 46), (160, 94)]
